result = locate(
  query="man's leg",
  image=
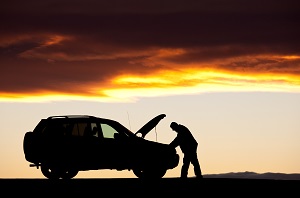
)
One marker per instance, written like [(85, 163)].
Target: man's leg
[(185, 166), (196, 164)]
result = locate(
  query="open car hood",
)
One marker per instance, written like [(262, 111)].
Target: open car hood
[(150, 125)]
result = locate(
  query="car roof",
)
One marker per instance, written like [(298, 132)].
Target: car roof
[(76, 118), (71, 116)]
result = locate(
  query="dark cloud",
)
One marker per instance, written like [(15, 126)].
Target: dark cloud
[(137, 6), (173, 30), (64, 45)]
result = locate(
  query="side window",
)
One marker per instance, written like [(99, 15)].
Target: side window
[(108, 131), (80, 129), (54, 129), (95, 130), (69, 128)]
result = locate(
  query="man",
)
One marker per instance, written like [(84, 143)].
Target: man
[(188, 146)]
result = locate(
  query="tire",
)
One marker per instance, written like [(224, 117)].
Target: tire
[(138, 173), (69, 174), (56, 173), (50, 173), (157, 173), (149, 173)]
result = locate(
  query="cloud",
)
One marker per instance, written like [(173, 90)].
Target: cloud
[(74, 49)]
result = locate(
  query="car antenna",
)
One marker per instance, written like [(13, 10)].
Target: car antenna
[(128, 120)]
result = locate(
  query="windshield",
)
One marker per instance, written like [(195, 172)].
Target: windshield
[(111, 125)]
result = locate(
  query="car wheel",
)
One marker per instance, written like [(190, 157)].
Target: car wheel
[(50, 173), (139, 173), (69, 174), (149, 174), (157, 173)]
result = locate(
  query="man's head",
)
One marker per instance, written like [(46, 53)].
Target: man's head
[(173, 126)]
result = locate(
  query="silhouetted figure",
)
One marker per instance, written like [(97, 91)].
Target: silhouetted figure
[(95, 132), (188, 146)]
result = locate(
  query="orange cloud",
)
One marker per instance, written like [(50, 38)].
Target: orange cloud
[(163, 83)]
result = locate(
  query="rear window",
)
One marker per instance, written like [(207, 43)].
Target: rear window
[(55, 128)]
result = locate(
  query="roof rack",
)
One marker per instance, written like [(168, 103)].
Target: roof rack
[(71, 116)]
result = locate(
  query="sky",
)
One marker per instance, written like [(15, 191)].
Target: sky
[(228, 70)]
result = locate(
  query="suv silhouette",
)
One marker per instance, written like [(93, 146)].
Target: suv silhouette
[(64, 145)]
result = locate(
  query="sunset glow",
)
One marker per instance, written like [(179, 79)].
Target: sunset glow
[(165, 83)]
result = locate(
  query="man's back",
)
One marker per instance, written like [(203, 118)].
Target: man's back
[(185, 139)]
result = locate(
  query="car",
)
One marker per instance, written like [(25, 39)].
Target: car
[(61, 146)]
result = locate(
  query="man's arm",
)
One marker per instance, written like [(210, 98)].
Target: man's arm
[(175, 142)]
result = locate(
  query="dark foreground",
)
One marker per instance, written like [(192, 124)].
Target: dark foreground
[(136, 187)]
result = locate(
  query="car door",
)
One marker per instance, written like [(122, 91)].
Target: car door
[(116, 147), (81, 144)]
